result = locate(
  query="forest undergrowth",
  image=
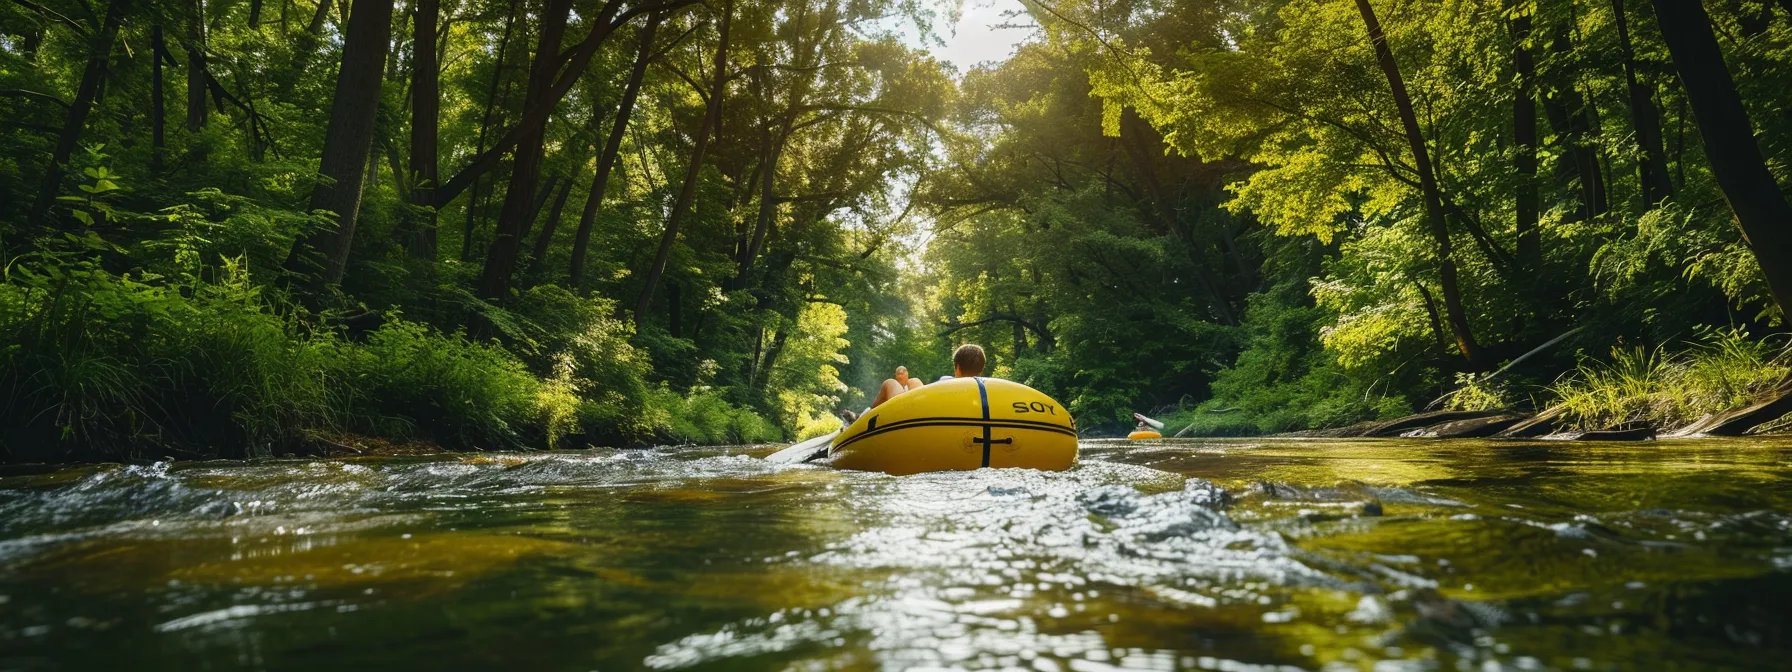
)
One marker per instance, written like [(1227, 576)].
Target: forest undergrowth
[(98, 365)]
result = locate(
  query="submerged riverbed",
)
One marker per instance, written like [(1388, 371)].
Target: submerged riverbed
[(1208, 554)]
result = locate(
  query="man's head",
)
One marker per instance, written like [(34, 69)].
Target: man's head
[(902, 375), (968, 361)]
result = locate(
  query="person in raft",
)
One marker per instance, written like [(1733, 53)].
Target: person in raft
[(967, 362)]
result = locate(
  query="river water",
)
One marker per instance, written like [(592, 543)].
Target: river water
[(1201, 554)]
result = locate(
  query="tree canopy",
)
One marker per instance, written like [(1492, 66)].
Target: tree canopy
[(517, 222)]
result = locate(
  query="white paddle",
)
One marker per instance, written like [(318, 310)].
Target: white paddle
[(1159, 426), (805, 451)]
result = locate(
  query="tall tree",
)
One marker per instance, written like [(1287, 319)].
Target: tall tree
[(570, 65), (425, 112), (1736, 162), (550, 225), (1454, 310), (776, 133), (514, 218), (1571, 118), (1652, 167), (99, 56), (158, 104), (316, 27), (348, 140), (499, 68), (693, 169), (1524, 139), (606, 161), (196, 110)]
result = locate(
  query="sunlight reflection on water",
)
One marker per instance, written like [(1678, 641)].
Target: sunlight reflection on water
[(1168, 555)]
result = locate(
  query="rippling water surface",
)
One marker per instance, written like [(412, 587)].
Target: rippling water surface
[(1205, 554)]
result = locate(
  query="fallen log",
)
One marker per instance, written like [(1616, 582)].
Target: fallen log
[(1740, 421), (1539, 425), (1345, 432), (1640, 432), (1473, 428), (1398, 426)]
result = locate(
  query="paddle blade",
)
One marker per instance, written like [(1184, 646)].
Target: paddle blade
[(803, 452)]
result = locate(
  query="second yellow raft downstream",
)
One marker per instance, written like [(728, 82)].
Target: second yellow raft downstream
[(960, 424)]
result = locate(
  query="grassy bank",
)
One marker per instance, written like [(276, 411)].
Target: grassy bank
[(1666, 387), (97, 365), (1721, 370)]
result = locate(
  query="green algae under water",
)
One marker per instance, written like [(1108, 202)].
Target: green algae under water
[(1201, 554)]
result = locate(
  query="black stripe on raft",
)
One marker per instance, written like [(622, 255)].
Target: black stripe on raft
[(1011, 422), (983, 395), (954, 422)]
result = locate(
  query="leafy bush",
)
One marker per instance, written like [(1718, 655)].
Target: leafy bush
[(705, 417), (1479, 392), (1285, 380), (417, 383), (582, 345), (102, 365), (99, 365)]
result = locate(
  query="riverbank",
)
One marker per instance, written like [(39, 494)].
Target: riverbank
[(97, 366), (1721, 383)]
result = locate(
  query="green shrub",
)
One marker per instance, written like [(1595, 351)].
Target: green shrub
[(704, 417), (95, 365), (418, 383), (1285, 380), (1476, 392), (103, 365)]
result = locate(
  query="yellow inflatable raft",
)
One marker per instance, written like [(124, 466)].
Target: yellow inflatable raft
[(1144, 434), (959, 425)]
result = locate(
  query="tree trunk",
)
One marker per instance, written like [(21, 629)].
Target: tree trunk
[(1736, 162), (541, 203), (693, 171), (254, 13), (316, 27), (196, 110), (425, 111), (768, 202), (99, 56), (675, 309), (158, 113), (1570, 120), (347, 143), (485, 124), (570, 66), (548, 227), (1652, 168), (600, 181), (1524, 136), (34, 40), (514, 218), (1454, 310), (762, 373)]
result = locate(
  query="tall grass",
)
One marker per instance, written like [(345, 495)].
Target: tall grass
[(1722, 369)]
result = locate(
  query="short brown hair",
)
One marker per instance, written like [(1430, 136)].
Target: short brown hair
[(968, 359)]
